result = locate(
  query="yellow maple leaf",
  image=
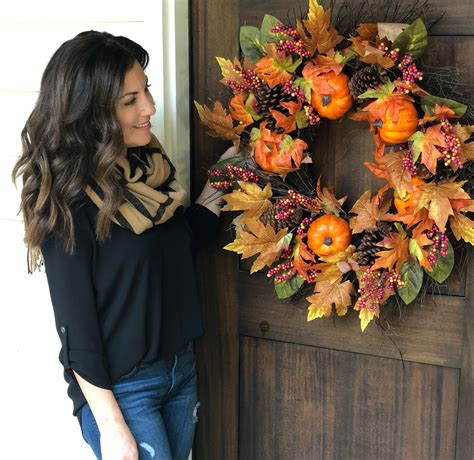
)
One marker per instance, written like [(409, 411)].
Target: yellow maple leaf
[(259, 239), (219, 121), (322, 35), (327, 294), (464, 133), (366, 316), (462, 227), (438, 198), (399, 178), (231, 71), (368, 211), (328, 200), (249, 198)]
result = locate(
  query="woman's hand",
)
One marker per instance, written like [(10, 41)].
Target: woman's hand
[(229, 153), (117, 442)]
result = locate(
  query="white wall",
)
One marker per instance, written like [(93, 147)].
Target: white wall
[(36, 412)]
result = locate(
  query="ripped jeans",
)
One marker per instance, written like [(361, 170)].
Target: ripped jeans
[(159, 404)]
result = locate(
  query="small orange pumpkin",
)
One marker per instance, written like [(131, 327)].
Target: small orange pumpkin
[(408, 204), (406, 125), (335, 105), (328, 235)]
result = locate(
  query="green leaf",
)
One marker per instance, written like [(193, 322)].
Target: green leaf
[(251, 43), (344, 58), (301, 120), (417, 139), (254, 134), (288, 288), (249, 107), (443, 266), (385, 90), (412, 275), (268, 23), (288, 65), (413, 40), (428, 104), (307, 85), (286, 143)]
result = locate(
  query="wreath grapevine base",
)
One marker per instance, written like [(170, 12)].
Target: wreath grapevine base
[(390, 241)]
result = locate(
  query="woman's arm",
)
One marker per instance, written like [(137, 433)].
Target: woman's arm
[(116, 440)]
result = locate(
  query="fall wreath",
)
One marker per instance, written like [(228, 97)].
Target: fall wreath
[(288, 78)]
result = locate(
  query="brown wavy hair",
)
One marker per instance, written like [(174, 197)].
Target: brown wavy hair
[(73, 135)]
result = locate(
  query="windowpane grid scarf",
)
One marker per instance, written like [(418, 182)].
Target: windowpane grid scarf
[(151, 192)]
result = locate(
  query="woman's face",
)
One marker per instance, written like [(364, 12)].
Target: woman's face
[(135, 108)]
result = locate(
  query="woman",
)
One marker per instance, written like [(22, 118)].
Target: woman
[(102, 207)]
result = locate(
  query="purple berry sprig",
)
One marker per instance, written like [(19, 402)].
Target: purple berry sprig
[(289, 41), (282, 272), (407, 162), (453, 145), (439, 246)]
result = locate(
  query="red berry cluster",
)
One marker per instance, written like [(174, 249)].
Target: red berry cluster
[(453, 145), (282, 272), (440, 244), (410, 73), (289, 41), (372, 287), (285, 208), (311, 115), (304, 225), (229, 174), (407, 162), (294, 91), (250, 79)]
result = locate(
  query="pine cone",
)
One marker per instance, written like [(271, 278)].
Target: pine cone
[(384, 228), (269, 99), (367, 78), (268, 218), (367, 247)]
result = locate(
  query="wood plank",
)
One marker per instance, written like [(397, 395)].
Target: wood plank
[(431, 333), (214, 28), (310, 403), (456, 20), (465, 433)]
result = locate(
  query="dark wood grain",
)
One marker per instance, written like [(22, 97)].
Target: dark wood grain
[(431, 333), (309, 403), (456, 19), (465, 433), (214, 28)]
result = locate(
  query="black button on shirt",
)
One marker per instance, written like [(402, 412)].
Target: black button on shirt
[(127, 300)]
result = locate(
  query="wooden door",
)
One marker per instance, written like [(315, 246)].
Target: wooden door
[(273, 386)]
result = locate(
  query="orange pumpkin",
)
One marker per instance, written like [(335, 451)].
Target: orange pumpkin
[(406, 125), (408, 204), (334, 105), (328, 235)]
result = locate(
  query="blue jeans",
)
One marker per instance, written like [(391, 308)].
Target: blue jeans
[(159, 404)]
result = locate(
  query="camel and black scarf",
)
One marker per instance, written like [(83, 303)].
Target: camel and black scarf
[(150, 190)]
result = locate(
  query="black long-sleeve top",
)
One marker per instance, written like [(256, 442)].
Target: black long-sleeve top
[(128, 300)]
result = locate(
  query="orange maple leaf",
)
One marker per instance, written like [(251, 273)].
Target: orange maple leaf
[(379, 168), (440, 112), (288, 123), (369, 53), (416, 247), (328, 200), (317, 32), (291, 157), (467, 149), (327, 294), (259, 239), (303, 258), (273, 67), (462, 227), (438, 197), (399, 178), (219, 121), (238, 110), (396, 251), (369, 212), (427, 143), (391, 104)]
